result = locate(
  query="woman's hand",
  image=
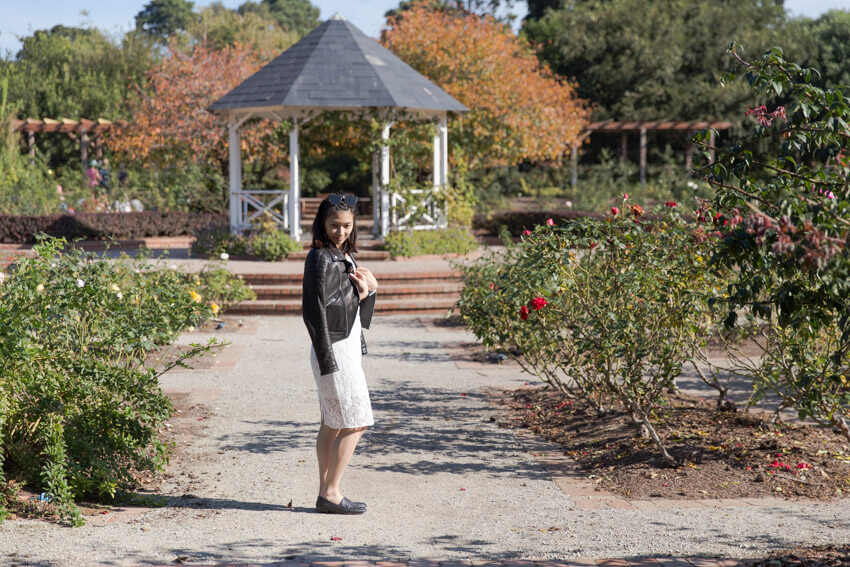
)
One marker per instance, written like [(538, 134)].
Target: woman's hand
[(362, 286), (370, 278)]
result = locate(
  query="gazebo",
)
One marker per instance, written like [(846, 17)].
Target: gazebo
[(336, 67)]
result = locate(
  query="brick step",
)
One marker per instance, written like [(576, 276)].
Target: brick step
[(383, 307), (367, 254), (383, 279), (386, 291)]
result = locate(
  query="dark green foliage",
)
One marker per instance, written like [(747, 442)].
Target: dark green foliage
[(163, 18), (640, 60), (823, 43), (299, 16), (782, 192), (22, 229)]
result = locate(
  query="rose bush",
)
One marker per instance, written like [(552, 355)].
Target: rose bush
[(80, 408), (784, 205), (604, 310)]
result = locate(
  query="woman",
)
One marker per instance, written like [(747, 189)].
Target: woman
[(338, 299)]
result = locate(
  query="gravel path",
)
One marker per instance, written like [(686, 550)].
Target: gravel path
[(441, 479)]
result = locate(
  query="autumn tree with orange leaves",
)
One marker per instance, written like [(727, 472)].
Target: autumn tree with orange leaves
[(519, 111), (170, 125)]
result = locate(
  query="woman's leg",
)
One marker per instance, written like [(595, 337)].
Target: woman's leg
[(324, 446), (341, 449)]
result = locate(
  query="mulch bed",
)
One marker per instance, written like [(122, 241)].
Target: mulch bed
[(810, 556), (721, 454)]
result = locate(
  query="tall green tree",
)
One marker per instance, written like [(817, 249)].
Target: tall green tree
[(162, 18), (823, 43), (218, 27), (299, 16), (537, 8), (74, 73), (654, 60)]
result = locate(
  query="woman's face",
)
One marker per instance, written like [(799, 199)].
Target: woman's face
[(338, 225)]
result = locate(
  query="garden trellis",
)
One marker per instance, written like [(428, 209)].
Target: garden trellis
[(336, 67)]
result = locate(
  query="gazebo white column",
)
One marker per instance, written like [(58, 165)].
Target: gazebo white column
[(294, 184), (384, 218), (235, 154), (442, 216)]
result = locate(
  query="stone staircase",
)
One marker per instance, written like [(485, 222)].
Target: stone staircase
[(399, 293)]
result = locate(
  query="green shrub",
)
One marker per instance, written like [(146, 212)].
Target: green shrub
[(267, 243), (417, 243), (271, 245), (607, 310), (79, 408), (222, 289)]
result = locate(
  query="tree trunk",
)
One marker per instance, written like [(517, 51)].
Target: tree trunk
[(839, 422), (647, 425)]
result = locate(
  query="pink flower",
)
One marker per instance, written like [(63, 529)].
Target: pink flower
[(523, 312), (492, 286), (615, 211), (526, 232), (538, 303), (625, 196), (550, 222)]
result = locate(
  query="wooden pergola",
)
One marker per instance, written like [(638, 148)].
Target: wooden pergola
[(87, 133), (624, 128)]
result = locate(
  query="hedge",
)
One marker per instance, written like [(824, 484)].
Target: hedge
[(518, 221), (101, 226)]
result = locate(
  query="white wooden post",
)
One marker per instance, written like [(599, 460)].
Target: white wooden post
[(235, 153), (376, 196), (294, 184), (444, 151), (438, 161), (385, 181)]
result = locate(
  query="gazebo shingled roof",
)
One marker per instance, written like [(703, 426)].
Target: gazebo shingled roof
[(336, 66)]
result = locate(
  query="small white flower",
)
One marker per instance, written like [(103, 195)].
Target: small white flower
[(39, 287), (692, 185), (172, 267), (80, 283), (120, 295), (114, 288), (225, 256), (568, 204), (190, 329)]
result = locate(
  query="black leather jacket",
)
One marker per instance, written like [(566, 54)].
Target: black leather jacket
[(329, 302)]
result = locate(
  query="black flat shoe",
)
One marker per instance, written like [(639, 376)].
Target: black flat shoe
[(345, 506)]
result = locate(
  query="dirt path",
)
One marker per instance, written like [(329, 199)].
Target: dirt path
[(442, 480)]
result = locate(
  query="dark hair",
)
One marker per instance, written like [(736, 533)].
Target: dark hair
[(321, 239)]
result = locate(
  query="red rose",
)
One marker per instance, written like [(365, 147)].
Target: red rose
[(671, 204), (615, 211), (526, 232), (523, 312), (538, 303), (637, 210), (550, 222)]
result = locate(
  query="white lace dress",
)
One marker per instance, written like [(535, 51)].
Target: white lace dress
[(344, 395)]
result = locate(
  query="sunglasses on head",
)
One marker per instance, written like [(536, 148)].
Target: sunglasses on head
[(337, 199)]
